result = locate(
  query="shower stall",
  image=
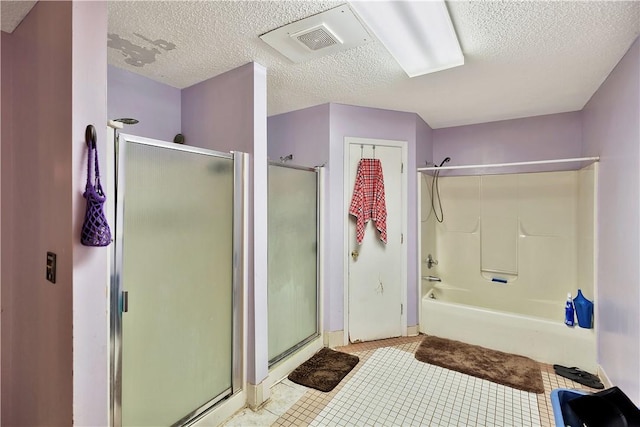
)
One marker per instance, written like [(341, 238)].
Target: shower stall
[(293, 259), (176, 299)]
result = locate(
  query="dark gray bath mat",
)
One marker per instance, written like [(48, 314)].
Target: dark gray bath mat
[(324, 370)]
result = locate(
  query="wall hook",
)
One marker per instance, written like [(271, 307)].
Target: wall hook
[(90, 136)]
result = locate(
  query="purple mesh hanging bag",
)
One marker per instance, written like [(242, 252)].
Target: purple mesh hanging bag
[(95, 229)]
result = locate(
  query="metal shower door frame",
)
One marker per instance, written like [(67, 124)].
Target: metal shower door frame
[(318, 171), (116, 301)]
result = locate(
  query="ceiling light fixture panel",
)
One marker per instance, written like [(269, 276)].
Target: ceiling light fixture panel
[(419, 34)]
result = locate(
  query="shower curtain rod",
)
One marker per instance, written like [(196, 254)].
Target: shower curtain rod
[(500, 165)]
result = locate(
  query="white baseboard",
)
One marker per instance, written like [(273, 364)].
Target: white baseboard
[(604, 377), (334, 339), (225, 411), (412, 331), (258, 394)]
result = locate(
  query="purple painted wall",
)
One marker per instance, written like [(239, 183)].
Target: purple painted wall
[(303, 133), (364, 123), (424, 143), (90, 265), (54, 336), (316, 136), (156, 105), (554, 136), (229, 113), (611, 128), (6, 219), (37, 358), (218, 113)]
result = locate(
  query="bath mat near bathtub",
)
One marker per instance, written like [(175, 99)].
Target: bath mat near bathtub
[(324, 370), (507, 369)]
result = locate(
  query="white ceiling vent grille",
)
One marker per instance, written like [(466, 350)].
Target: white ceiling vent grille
[(318, 38), (319, 35)]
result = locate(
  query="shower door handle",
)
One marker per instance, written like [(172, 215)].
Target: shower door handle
[(125, 301), (355, 254)]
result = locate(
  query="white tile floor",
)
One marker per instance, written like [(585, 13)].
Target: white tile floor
[(283, 396), (394, 389)]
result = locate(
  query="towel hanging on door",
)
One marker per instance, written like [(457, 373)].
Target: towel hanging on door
[(368, 200)]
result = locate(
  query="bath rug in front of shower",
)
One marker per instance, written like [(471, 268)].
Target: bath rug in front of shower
[(507, 369), (324, 370)]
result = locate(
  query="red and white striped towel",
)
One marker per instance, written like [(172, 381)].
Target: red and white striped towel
[(368, 200)]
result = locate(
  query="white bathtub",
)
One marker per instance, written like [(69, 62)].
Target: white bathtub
[(537, 331)]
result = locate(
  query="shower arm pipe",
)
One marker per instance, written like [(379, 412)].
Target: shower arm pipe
[(292, 166), (501, 165)]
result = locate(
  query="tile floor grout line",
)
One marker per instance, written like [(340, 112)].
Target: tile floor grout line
[(306, 409)]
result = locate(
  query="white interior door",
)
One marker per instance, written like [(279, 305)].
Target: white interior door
[(377, 271)]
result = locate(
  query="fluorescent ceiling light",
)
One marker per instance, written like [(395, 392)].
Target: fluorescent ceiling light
[(419, 34)]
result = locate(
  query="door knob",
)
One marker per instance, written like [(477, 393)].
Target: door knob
[(355, 254)]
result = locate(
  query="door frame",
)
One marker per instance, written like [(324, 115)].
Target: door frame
[(347, 193)]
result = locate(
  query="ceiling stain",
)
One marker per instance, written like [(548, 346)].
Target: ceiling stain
[(162, 44), (135, 54)]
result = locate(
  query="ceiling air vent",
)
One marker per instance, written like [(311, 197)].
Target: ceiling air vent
[(319, 35), (318, 38)]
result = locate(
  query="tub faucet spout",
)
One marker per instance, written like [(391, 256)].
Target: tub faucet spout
[(432, 278)]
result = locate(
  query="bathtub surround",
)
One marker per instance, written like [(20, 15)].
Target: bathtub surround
[(507, 369), (525, 229), (522, 229)]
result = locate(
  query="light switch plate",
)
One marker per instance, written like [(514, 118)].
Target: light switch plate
[(51, 267)]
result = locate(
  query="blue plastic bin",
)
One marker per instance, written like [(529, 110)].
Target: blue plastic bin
[(562, 413)]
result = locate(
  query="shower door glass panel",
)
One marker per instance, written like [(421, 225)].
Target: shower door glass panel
[(177, 247), (292, 258)]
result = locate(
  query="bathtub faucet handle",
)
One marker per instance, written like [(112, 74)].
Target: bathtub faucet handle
[(430, 261), (432, 278)]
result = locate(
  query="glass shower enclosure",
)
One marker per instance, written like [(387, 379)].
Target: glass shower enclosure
[(293, 235), (175, 287)]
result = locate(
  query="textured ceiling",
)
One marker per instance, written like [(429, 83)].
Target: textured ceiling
[(13, 12), (522, 58)]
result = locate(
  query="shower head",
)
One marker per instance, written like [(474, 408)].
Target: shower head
[(127, 121), (446, 160)]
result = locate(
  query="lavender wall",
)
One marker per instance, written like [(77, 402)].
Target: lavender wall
[(303, 133), (90, 265), (6, 219), (54, 336), (424, 143), (316, 136), (611, 128), (155, 105), (37, 358), (229, 113), (218, 113), (364, 123), (553, 136)]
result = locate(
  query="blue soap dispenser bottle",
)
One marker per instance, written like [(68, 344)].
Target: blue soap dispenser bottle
[(569, 312)]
